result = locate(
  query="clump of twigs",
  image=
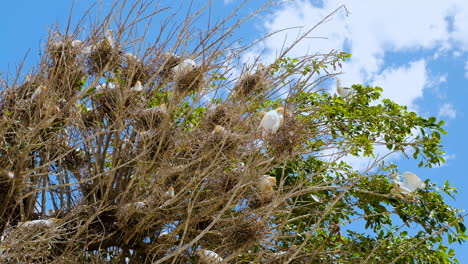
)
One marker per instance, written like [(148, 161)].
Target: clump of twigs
[(104, 55), (190, 81), (150, 118), (243, 233), (250, 83)]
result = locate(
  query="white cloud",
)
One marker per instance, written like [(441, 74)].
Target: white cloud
[(447, 110), (403, 84), (371, 32)]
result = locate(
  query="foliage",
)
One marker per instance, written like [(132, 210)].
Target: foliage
[(157, 175)]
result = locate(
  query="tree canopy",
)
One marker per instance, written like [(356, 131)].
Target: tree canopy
[(117, 149)]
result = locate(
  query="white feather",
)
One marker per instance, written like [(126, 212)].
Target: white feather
[(270, 123), (209, 256)]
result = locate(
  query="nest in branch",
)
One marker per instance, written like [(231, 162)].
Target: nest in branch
[(103, 58), (150, 118), (190, 81), (222, 115), (135, 70), (249, 84), (243, 233), (154, 142), (114, 102), (91, 119), (64, 71), (289, 136), (170, 61), (30, 244)]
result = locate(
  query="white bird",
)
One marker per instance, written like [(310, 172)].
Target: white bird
[(38, 92), (170, 193), (410, 183), (40, 223), (184, 67), (344, 92), (137, 88), (271, 121), (140, 206), (218, 129), (265, 185), (76, 43), (130, 56), (109, 37), (209, 256), (109, 85)]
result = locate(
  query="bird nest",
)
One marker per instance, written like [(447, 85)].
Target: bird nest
[(287, 138), (222, 115), (150, 118), (91, 119), (189, 82), (102, 58), (243, 233), (170, 61), (134, 70), (250, 83), (113, 100)]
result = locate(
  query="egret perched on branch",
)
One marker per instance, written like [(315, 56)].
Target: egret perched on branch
[(410, 183), (265, 185), (110, 38), (184, 67), (271, 121), (40, 223), (344, 92), (137, 88), (208, 256)]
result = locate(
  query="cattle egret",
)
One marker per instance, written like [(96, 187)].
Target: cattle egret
[(209, 256), (109, 37), (266, 184), (87, 50), (38, 92), (40, 223), (137, 88), (184, 67), (76, 43), (344, 92), (108, 85), (140, 206), (170, 193), (218, 129), (129, 56), (271, 121), (410, 183), (10, 175)]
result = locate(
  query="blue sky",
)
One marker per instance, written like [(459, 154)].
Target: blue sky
[(415, 50)]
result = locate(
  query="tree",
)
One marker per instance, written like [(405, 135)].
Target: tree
[(155, 156)]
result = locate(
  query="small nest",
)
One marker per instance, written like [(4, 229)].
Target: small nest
[(222, 141), (218, 116), (108, 100), (244, 233), (135, 70), (103, 58), (91, 119), (153, 140), (150, 118), (250, 83), (30, 245), (166, 68), (287, 138), (189, 82), (64, 70)]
